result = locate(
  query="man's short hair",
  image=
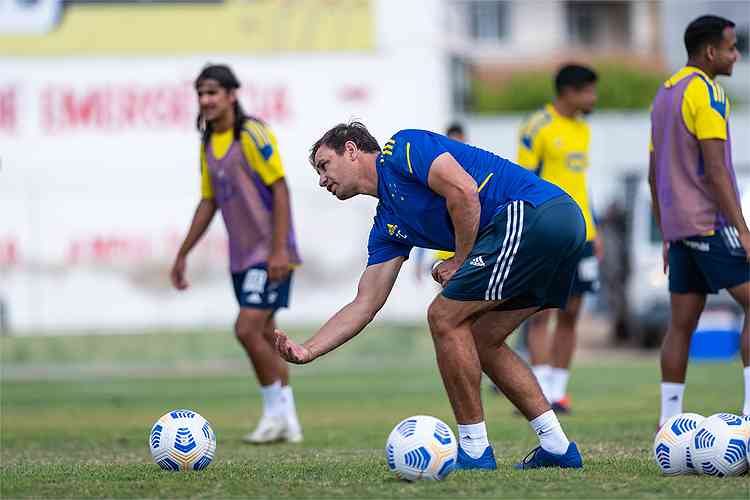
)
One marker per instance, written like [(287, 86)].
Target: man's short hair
[(454, 128), (706, 30), (574, 76), (339, 135)]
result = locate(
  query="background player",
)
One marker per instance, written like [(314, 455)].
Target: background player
[(554, 143), (696, 199), (242, 175), (516, 239)]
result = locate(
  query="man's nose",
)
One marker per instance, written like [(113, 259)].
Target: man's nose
[(322, 181)]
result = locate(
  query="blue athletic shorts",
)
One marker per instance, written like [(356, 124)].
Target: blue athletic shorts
[(586, 279), (707, 264), (252, 289), (527, 257)]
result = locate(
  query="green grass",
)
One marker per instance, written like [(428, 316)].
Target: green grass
[(84, 432)]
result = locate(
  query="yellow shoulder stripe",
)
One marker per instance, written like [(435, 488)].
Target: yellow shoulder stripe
[(408, 157), (484, 183)]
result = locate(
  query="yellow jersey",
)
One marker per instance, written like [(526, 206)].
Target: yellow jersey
[(557, 149), (705, 106), (259, 147)]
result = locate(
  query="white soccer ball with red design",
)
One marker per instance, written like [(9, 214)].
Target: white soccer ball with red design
[(421, 447)]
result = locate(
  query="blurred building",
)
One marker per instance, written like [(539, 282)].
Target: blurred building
[(493, 38)]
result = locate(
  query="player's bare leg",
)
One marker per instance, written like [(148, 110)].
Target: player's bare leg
[(250, 329), (564, 338), (563, 347), (538, 337), (741, 293), (450, 325), (282, 367), (514, 378), (504, 367), (457, 358), (686, 310), (538, 344)]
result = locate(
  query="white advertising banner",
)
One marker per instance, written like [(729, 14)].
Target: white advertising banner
[(99, 177)]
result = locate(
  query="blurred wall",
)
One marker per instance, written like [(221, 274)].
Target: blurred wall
[(100, 176)]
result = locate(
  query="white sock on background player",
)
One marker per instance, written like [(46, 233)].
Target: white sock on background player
[(671, 400), (541, 372)]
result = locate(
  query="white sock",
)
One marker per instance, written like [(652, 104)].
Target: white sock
[(541, 372), (558, 383), (272, 402), (473, 439), (290, 409), (671, 400), (746, 408), (551, 436)]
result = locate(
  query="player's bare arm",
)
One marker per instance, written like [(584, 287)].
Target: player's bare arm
[(721, 185), (202, 218), (278, 260), (374, 287), (448, 179)]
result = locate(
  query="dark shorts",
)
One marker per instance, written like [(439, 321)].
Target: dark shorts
[(707, 264), (527, 257), (252, 289), (586, 279)]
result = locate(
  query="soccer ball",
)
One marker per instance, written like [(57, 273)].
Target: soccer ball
[(719, 445), (671, 444), (182, 440), (421, 447)]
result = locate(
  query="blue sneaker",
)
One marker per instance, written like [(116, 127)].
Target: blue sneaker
[(539, 457), (486, 461)]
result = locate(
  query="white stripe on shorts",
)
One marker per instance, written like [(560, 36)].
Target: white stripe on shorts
[(731, 238), (513, 254), (510, 245), (509, 210)]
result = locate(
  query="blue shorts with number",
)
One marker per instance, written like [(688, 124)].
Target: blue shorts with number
[(707, 264), (527, 257), (253, 289), (587, 272)]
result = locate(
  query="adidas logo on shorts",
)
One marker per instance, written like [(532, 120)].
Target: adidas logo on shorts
[(477, 261)]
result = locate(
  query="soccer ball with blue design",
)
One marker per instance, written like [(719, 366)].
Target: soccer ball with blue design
[(182, 440), (719, 445), (671, 444), (421, 447)]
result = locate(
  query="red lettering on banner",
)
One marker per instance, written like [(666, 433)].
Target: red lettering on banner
[(8, 252), (136, 249), (108, 249), (112, 108), (8, 111)]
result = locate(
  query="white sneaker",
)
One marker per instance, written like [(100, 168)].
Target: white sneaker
[(269, 430), (293, 435)]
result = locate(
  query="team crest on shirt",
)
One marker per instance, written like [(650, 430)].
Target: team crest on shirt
[(393, 230), (577, 162)]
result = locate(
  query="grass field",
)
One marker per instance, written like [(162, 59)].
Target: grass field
[(76, 412)]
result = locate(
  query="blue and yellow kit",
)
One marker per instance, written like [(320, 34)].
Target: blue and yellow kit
[(557, 149)]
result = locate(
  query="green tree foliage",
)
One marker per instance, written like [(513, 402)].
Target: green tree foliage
[(620, 87)]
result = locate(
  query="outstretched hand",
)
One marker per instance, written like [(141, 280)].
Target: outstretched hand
[(290, 350)]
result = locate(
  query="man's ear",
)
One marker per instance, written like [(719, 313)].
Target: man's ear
[(351, 149), (710, 52)]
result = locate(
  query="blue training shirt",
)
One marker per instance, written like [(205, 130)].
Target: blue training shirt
[(410, 214)]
